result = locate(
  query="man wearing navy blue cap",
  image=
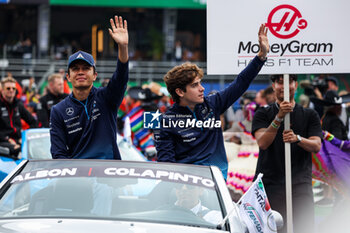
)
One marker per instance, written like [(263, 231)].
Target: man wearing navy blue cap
[(332, 83), (83, 125)]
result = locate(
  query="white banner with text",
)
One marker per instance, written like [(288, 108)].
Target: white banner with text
[(304, 36)]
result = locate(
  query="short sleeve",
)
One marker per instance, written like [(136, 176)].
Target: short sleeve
[(314, 124), (260, 120)]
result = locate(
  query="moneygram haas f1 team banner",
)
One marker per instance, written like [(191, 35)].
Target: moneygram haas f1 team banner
[(305, 36)]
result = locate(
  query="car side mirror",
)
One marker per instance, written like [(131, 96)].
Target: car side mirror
[(278, 219)]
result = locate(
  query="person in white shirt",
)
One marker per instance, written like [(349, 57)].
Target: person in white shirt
[(188, 197)]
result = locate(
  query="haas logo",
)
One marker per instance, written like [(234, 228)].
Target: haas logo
[(285, 21)]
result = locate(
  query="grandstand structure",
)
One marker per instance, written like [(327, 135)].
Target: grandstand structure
[(154, 26)]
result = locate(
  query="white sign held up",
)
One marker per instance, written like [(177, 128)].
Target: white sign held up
[(304, 36)]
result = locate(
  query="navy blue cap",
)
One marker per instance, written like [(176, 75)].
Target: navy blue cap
[(331, 98), (81, 55), (333, 79)]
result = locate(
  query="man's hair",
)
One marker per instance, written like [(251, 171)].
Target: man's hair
[(280, 76), (180, 76), (262, 93), (269, 90), (54, 76), (7, 80)]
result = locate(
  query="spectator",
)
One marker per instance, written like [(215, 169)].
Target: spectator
[(54, 96), (331, 121), (345, 116), (127, 104), (188, 54), (66, 88), (331, 106), (201, 145), (305, 138), (341, 144), (270, 95), (104, 82), (178, 51), (29, 90), (332, 83), (159, 97), (27, 56), (19, 91), (12, 110), (241, 130), (304, 100), (260, 98), (84, 125), (229, 117), (164, 103), (31, 108), (142, 138)]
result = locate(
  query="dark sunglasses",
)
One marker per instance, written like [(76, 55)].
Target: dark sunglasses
[(10, 88)]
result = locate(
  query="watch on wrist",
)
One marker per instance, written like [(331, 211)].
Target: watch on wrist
[(299, 138)]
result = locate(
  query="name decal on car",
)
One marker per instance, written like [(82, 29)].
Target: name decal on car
[(160, 174), (62, 172), (117, 172)]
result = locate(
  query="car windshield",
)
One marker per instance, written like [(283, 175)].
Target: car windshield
[(39, 145), (125, 191)]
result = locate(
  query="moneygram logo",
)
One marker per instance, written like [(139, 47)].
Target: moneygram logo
[(285, 21)]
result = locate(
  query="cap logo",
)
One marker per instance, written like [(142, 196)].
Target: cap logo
[(338, 100), (141, 95), (80, 56)]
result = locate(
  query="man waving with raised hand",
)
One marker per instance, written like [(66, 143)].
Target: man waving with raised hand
[(83, 125), (193, 132)]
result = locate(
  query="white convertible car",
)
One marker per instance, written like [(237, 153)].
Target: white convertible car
[(116, 196)]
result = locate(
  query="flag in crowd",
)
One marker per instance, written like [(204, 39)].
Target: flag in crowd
[(332, 165), (255, 209)]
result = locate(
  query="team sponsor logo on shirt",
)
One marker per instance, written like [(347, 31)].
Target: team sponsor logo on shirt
[(75, 130), (95, 113), (72, 125), (69, 111), (4, 112), (71, 119), (50, 103)]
